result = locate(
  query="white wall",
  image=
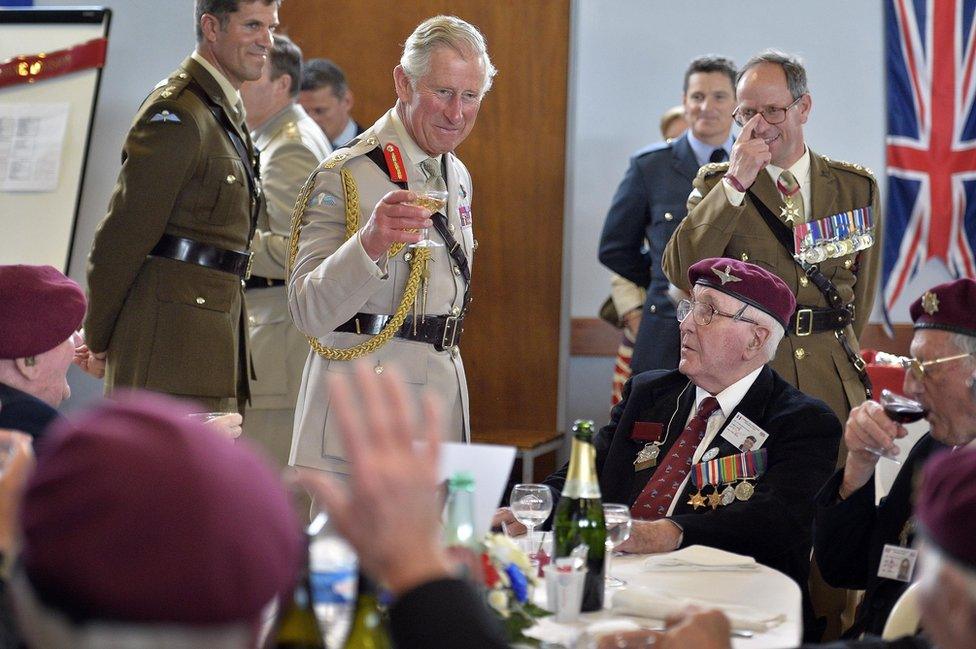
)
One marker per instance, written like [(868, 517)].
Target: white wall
[(630, 57), (147, 41)]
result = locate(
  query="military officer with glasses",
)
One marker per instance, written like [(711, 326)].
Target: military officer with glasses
[(853, 538), (746, 209)]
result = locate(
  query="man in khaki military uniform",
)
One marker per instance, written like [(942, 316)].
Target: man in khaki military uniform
[(165, 269), (723, 221), (350, 273), (820, 354), (291, 146)]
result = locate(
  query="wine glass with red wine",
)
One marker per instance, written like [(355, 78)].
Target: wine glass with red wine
[(900, 410)]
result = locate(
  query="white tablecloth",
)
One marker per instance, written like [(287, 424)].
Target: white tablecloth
[(764, 589)]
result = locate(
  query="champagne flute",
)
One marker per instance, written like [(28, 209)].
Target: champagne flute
[(619, 522), (531, 505), (433, 199)]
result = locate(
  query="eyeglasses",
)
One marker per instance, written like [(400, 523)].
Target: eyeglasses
[(918, 368), (772, 114), (703, 313)]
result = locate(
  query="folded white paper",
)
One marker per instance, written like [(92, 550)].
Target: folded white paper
[(700, 558), (658, 605)]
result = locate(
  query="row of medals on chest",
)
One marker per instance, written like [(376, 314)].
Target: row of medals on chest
[(647, 459)]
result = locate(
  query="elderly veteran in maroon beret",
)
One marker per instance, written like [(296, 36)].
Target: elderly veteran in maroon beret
[(672, 427), (40, 310), (141, 528), (852, 536)]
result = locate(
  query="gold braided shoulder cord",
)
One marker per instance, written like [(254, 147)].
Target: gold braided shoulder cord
[(420, 257)]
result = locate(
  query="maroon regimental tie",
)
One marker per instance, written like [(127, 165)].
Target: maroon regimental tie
[(654, 501)]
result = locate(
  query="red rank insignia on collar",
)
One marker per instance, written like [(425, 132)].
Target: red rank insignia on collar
[(394, 163)]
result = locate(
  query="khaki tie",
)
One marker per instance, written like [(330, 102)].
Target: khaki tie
[(432, 170), (792, 210)]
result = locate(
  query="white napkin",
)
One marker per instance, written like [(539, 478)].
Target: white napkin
[(700, 558), (658, 605), (548, 630)]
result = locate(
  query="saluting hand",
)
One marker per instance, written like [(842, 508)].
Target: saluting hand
[(393, 220), (750, 154)]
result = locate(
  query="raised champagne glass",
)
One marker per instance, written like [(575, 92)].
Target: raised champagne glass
[(433, 199)]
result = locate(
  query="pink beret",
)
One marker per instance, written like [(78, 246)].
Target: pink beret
[(747, 282), (946, 503), (950, 306), (39, 309), (136, 513)]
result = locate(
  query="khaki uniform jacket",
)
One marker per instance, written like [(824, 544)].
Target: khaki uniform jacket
[(816, 364), (333, 278), (171, 326), (291, 146)]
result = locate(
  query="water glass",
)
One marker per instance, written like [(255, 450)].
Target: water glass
[(619, 523)]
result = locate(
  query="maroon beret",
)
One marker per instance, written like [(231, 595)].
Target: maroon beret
[(747, 282), (946, 503), (39, 309), (950, 306), (135, 513)]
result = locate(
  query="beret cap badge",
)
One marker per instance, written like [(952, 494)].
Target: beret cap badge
[(725, 275), (930, 302)]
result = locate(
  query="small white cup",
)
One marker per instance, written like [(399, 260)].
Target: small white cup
[(564, 592)]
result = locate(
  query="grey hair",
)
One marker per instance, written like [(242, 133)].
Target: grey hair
[(796, 74), (966, 344), (776, 332), (444, 31)]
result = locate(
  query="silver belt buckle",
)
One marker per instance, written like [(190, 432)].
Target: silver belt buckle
[(450, 332)]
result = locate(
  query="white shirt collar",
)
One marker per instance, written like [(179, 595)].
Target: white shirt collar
[(348, 133), (729, 398), (230, 92)]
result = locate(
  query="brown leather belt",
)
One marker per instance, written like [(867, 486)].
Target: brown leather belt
[(256, 281), (808, 320), (203, 254), (441, 331)]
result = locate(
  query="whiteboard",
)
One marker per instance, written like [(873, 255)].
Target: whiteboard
[(37, 227)]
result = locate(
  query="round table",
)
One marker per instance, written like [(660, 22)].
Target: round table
[(768, 591)]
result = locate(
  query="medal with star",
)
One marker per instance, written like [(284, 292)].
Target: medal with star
[(790, 212)]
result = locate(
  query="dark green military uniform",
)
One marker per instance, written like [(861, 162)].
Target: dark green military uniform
[(814, 363), (173, 326)]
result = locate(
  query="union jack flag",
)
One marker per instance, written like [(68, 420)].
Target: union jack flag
[(931, 142)]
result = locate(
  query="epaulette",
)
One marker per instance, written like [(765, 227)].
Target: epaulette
[(173, 85), (849, 166), (652, 148), (359, 146), (713, 168)]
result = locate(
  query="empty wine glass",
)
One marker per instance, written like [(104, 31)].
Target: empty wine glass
[(531, 505), (618, 522), (433, 199)]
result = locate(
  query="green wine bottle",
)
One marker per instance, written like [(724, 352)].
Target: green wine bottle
[(369, 623), (297, 626), (579, 514)]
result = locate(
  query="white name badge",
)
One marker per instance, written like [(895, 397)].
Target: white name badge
[(743, 434), (897, 563)]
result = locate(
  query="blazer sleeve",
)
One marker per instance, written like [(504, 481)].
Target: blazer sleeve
[(159, 158), (842, 533), (444, 613), (622, 241)]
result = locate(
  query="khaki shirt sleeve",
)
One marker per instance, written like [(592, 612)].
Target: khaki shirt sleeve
[(626, 295), (704, 233), (332, 277), (284, 168), (866, 286), (160, 157)]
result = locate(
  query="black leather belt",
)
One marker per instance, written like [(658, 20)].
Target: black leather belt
[(441, 331), (813, 320), (203, 254), (256, 281)]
